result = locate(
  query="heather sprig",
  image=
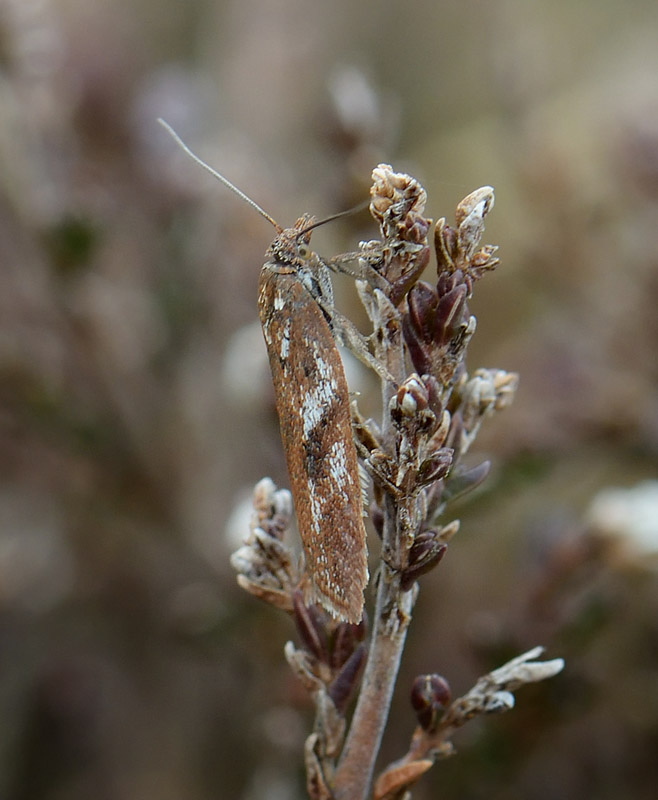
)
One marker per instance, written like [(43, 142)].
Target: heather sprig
[(432, 411)]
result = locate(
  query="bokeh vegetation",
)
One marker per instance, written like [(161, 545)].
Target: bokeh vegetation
[(135, 404)]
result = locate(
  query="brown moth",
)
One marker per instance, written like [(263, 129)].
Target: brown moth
[(313, 405), (295, 305)]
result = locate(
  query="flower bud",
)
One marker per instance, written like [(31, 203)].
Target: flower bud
[(412, 396), (445, 245), (342, 689), (424, 554), (430, 696)]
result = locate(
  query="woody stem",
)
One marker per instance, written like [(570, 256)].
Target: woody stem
[(392, 617)]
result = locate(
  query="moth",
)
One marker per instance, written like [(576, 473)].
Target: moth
[(296, 309), (313, 405)]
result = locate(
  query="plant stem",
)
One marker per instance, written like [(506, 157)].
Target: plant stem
[(392, 617)]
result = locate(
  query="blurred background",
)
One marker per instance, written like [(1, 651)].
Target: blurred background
[(136, 412)]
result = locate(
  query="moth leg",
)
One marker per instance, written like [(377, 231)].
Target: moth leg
[(362, 270), (378, 468), (350, 336)]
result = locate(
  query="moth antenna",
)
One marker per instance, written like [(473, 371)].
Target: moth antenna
[(219, 175), (338, 215)]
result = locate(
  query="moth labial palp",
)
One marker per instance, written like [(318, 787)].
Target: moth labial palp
[(300, 326)]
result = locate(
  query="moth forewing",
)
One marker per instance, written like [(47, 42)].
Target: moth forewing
[(313, 405)]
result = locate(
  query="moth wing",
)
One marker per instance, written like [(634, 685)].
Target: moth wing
[(312, 402)]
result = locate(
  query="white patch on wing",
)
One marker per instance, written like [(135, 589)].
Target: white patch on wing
[(285, 340), (337, 458), (326, 390), (317, 508)]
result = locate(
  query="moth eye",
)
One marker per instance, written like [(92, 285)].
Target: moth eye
[(304, 251)]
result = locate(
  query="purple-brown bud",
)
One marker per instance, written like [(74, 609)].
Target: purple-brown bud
[(445, 245), (434, 395), (436, 467), (408, 272), (437, 316), (434, 319), (430, 696), (412, 396), (415, 228), (450, 314), (410, 410), (425, 553), (343, 686), (423, 301), (418, 326)]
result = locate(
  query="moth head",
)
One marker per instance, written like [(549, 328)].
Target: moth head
[(292, 245)]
